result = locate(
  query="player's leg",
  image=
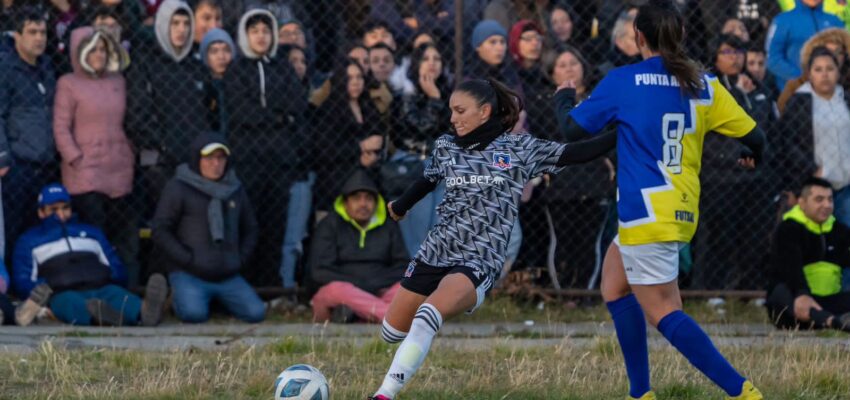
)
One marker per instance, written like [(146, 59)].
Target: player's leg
[(629, 322), (456, 293), (663, 306), (400, 315)]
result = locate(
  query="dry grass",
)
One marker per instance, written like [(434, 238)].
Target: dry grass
[(501, 372)]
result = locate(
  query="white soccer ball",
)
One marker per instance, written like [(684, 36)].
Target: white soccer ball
[(301, 382)]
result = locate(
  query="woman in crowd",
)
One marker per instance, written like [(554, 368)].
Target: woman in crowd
[(97, 161), (835, 40), (815, 130), (526, 50), (490, 41)]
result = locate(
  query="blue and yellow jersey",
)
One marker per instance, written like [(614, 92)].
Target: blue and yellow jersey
[(660, 134)]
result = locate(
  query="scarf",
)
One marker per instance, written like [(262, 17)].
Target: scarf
[(481, 136), (219, 191)]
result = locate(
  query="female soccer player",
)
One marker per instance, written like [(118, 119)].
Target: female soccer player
[(484, 169), (663, 107)]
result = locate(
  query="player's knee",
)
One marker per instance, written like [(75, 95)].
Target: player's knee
[(390, 334)]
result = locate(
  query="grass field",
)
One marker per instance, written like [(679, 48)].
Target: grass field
[(782, 369)]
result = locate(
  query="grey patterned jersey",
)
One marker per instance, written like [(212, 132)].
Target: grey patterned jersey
[(483, 189)]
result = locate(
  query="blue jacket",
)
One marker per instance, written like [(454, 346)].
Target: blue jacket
[(787, 34), (4, 277), (51, 243), (26, 110)]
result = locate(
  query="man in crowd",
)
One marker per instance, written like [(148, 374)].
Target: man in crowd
[(81, 269), (357, 256), (207, 17), (27, 152), (206, 228), (810, 250)]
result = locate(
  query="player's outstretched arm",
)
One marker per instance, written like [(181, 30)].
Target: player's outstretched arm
[(565, 99), (588, 150), (419, 189), (753, 153)]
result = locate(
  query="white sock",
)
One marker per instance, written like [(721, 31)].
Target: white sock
[(411, 354), (390, 334)]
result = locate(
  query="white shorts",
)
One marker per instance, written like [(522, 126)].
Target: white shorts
[(651, 263)]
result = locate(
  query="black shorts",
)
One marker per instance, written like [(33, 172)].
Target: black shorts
[(423, 279)]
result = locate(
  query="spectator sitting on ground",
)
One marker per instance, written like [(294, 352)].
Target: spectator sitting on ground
[(205, 226), (357, 256), (810, 249), (79, 266), (27, 153), (789, 31)]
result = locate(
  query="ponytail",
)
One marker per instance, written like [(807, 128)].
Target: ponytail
[(506, 103), (664, 29)]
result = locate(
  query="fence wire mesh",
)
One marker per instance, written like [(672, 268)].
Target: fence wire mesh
[(307, 91)]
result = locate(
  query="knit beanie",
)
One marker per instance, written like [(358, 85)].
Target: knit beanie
[(485, 29)]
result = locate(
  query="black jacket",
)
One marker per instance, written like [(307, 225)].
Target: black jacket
[(799, 242), (181, 228), (372, 259), (795, 140), (423, 120), (165, 103)]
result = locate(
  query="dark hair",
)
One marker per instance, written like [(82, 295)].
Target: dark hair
[(211, 3), (373, 24), (822, 51), (378, 46), (25, 15), (729, 40), (663, 27), (506, 103), (560, 49), (339, 80), (259, 19), (814, 181), (571, 12), (416, 60), (756, 47), (182, 12)]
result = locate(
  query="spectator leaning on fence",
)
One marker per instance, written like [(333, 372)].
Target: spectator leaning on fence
[(217, 52), (27, 152), (789, 31), (838, 42), (77, 263), (357, 255), (165, 97), (810, 250), (206, 228), (816, 130), (97, 159)]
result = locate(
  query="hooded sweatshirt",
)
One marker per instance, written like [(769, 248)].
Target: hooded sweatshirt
[(215, 87), (88, 120), (262, 99), (372, 257), (166, 92), (185, 227)]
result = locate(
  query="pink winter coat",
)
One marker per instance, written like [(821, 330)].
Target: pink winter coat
[(88, 119)]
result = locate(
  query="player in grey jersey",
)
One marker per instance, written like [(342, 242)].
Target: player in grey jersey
[(484, 169)]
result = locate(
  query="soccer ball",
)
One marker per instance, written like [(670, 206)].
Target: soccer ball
[(301, 382)]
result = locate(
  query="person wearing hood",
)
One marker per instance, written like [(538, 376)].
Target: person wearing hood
[(789, 31), (205, 227), (266, 126), (217, 53), (357, 256), (525, 46), (815, 130), (97, 159), (165, 97), (73, 265)]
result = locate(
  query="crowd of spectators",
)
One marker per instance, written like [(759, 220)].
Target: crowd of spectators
[(256, 141)]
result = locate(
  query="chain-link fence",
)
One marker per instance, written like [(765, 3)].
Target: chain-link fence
[(307, 91)]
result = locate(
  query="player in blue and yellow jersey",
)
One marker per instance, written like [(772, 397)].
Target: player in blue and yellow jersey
[(663, 107)]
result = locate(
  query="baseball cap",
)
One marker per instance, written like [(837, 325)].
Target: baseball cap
[(212, 147), (53, 193)]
